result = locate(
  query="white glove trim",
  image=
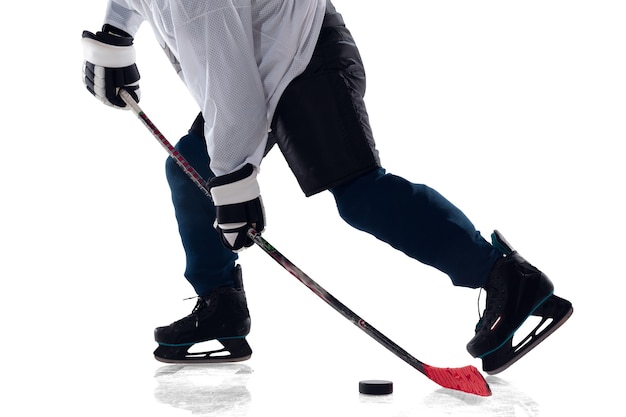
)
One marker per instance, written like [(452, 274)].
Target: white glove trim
[(109, 56), (246, 189)]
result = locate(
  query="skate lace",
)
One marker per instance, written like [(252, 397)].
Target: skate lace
[(493, 305), (200, 304), (480, 313)]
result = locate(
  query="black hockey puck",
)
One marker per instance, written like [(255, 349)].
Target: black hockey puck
[(375, 387)]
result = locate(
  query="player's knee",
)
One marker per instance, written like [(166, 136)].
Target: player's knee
[(193, 149), (352, 198)]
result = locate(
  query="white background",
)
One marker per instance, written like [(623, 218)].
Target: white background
[(515, 111)]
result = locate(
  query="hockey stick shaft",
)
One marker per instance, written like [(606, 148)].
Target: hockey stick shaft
[(466, 379), (333, 302), (180, 160)]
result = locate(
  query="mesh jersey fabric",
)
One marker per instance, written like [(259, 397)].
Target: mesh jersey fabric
[(236, 58)]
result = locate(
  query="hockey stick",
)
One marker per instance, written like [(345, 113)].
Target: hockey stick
[(467, 379)]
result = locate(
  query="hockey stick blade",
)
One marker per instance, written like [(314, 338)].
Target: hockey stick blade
[(466, 379)]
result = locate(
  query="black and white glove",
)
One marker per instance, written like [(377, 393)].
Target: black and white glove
[(238, 205), (110, 65)]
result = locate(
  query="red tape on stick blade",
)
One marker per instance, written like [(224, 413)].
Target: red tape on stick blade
[(467, 379)]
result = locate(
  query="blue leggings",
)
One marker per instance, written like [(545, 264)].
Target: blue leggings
[(412, 218)]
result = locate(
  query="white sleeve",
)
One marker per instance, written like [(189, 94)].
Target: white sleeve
[(219, 67), (120, 14)]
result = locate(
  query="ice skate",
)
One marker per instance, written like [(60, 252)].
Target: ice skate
[(516, 291), (222, 316)]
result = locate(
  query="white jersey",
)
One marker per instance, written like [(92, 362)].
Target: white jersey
[(236, 58)]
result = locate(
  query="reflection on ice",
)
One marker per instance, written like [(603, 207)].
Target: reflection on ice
[(506, 401), (208, 390), (224, 390)]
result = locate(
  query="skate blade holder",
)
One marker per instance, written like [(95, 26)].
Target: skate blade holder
[(553, 313), (233, 350)]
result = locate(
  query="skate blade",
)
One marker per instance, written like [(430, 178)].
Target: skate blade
[(234, 350), (555, 309)]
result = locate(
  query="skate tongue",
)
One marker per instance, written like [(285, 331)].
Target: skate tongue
[(500, 243)]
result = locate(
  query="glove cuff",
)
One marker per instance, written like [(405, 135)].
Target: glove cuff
[(237, 187), (110, 48), (108, 56), (115, 36)]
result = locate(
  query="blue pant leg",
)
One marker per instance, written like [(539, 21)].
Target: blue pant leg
[(209, 264), (418, 221)]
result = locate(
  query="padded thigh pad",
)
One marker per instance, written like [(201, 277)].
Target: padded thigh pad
[(322, 129)]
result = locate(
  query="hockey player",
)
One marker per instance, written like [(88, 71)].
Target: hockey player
[(288, 72)]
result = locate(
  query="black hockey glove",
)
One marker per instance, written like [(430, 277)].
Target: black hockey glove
[(238, 205), (110, 65)]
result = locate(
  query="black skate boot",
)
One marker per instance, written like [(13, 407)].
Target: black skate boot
[(223, 316), (516, 290)]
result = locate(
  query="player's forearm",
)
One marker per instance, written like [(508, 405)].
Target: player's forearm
[(120, 15)]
